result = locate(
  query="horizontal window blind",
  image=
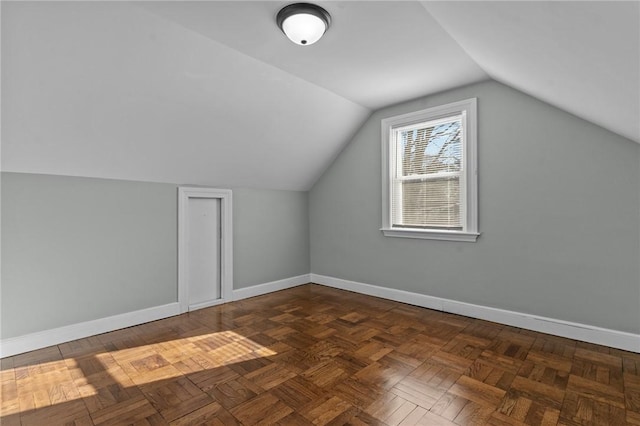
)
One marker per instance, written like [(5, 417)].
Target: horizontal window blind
[(426, 187)]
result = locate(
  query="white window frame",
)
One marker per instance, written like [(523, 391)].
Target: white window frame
[(468, 109)]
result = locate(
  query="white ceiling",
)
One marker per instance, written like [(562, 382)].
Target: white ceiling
[(376, 53), (213, 93), (581, 56)]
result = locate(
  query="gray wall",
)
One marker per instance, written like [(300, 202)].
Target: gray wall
[(559, 215), (271, 235), (76, 249)]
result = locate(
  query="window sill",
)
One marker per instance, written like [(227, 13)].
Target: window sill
[(424, 234)]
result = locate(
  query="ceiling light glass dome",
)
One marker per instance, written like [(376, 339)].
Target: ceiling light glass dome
[(303, 23)]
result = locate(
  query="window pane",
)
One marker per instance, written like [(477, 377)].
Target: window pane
[(431, 148), (433, 203)]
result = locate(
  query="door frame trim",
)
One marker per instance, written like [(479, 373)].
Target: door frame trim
[(226, 243)]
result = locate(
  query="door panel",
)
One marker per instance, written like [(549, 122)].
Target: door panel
[(203, 245)]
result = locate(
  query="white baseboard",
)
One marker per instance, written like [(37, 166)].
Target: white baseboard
[(617, 339), (42, 339), (572, 330), (260, 289)]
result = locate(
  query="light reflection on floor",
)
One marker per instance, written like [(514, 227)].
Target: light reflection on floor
[(49, 383)]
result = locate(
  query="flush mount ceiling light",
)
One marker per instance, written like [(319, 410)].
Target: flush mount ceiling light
[(303, 23)]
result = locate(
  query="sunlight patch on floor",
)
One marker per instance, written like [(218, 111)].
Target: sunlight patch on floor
[(47, 384)]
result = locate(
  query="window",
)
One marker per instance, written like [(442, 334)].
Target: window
[(430, 173)]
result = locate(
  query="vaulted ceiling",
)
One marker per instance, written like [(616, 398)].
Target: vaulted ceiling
[(213, 93)]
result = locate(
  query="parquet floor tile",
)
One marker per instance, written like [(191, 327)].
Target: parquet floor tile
[(263, 409), (313, 355)]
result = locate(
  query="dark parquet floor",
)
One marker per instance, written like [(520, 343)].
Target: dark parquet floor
[(321, 356)]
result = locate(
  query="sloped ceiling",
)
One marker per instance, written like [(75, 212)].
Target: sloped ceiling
[(213, 93), (583, 57), (376, 53)]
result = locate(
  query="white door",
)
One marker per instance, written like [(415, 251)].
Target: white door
[(204, 233), (203, 251)]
